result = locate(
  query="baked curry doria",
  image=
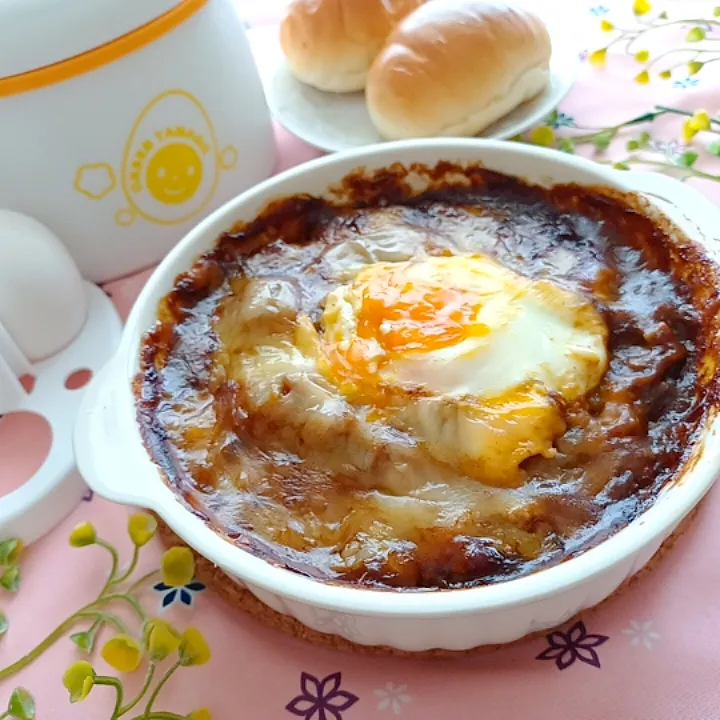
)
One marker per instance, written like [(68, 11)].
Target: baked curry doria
[(433, 390)]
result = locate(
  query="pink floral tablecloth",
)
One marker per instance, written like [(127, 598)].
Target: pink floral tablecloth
[(650, 654)]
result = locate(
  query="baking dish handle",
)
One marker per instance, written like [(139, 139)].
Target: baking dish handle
[(687, 202), (103, 457)]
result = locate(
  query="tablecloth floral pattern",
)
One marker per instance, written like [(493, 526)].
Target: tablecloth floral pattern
[(649, 654)]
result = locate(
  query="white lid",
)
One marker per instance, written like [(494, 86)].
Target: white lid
[(37, 33)]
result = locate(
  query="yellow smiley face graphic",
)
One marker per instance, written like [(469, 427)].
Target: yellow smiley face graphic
[(170, 166), (174, 173)]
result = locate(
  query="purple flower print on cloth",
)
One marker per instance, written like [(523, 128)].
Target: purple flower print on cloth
[(575, 644), (321, 699)]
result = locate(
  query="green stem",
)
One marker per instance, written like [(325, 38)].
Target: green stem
[(137, 584), (113, 682), (148, 679), (685, 113), (89, 610), (125, 597), (158, 688), (34, 654), (687, 170), (6, 714), (632, 35), (591, 133), (645, 117), (100, 618), (160, 716), (115, 561), (131, 567), (109, 618)]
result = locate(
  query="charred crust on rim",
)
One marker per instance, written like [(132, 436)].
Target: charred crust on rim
[(663, 389)]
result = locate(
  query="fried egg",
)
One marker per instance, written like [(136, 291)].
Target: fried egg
[(473, 359)]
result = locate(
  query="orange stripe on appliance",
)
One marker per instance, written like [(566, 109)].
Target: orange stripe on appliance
[(102, 55)]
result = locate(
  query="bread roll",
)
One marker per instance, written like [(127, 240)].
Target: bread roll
[(330, 44), (453, 67)]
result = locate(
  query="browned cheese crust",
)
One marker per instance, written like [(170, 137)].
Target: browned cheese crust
[(332, 493)]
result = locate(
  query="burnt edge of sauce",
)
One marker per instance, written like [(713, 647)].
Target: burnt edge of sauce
[(631, 218)]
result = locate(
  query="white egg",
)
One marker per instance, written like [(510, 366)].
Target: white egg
[(43, 305), (468, 356)]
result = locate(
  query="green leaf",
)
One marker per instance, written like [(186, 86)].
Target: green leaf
[(647, 117), (621, 166), (84, 640), (687, 159), (566, 145), (663, 15), (10, 579), (3, 623), (603, 139), (714, 148), (640, 142), (696, 34), (551, 119), (21, 705), (9, 551)]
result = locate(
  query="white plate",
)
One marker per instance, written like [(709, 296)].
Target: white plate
[(335, 122)]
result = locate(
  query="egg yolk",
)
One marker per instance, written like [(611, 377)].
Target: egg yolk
[(405, 316), (456, 326)]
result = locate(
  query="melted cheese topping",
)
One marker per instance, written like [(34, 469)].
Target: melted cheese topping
[(472, 360)]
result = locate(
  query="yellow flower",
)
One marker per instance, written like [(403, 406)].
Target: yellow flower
[(84, 534), (693, 125), (689, 131), (642, 56), (122, 653), (695, 66), (606, 26), (701, 120), (178, 567), (598, 57), (641, 7), (201, 714), (194, 649), (78, 680), (542, 135), (160, 639), (666, 74), (642, 78), (141, 528)]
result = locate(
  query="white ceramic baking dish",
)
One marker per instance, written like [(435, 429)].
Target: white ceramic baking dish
[(113, 460)]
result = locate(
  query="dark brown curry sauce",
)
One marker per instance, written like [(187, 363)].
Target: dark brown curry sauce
[(623, 443)]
